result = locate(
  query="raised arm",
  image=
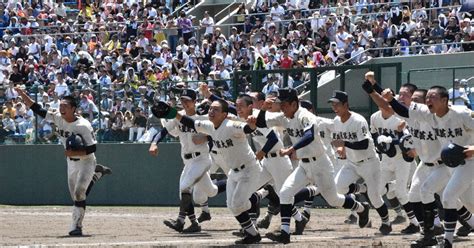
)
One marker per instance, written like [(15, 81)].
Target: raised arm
[(35, 107)]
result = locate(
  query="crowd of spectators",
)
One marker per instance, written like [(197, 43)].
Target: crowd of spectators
[(118, 56)]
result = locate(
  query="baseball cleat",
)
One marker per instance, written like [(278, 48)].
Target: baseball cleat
[(447, 244), (399, 220), (279, 236), (76, 232), (364, 216), (300, 225), (428, 239), (249, 239), (193, 228), (438, 230), (464, 231), (174, 224), (410, 229), (204, 216), (351, 219), (264, 223), (103, 169), (239, 233), (385, 229)]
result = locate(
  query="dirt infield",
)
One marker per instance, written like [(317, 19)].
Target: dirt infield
[(142, 227)]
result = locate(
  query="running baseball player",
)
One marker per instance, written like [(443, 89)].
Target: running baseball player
[(452, 126), (195, 182), (275, 168), (386, 130), (425, 148), (82, 168), (315, 166), (230, 139), (352, 140)]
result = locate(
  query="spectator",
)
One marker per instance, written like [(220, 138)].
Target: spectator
[(138, 127)]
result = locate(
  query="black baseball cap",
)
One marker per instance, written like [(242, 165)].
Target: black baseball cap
[(287, 95), (338, 96), (306, 104), (188, 94)]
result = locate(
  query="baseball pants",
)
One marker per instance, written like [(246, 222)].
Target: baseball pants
[(395, 168), (195, 178), (240, 186), (369, 171)]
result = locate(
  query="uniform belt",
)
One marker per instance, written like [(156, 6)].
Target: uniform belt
[(307, 160), (74, 159), (239, 168), (271, 155), (191, 155), (215, 152), (433, 164)]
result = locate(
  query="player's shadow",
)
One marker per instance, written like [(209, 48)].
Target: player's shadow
[(68, 236)]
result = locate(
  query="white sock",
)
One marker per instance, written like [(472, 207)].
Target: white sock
[(297, 216), (437, 221), (414, 222), (252, 230), (362, 188), (205, 208), (470, 221), (285, 228)]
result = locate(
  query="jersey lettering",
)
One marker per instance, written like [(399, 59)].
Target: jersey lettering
[(345, 135), (295, 132), (223, 144)]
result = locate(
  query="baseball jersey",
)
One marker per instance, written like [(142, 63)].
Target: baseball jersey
[(302, 121), (80, 127), (353, 130), (259, 136), (421, 126), (229, 140), (326, 127), (456, 126), (186, 134), (387, 127)]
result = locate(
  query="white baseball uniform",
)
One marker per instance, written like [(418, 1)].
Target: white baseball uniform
[(392, 168), (230, 141), (197, 162), (80, 169), (315, 166), (359, 163), (274, 167), (430, 177)]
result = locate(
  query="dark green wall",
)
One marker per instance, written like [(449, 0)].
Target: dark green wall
[(37, 174)]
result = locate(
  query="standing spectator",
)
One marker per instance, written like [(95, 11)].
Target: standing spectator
[(139, 125), (186, 27), (286, 62), (270, 86), (208, 23)]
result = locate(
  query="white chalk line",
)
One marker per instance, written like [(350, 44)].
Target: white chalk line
[(201, 241)]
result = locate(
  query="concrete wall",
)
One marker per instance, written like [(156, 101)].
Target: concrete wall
[(37, 174)]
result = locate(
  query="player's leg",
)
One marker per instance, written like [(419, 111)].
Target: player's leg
[(454, 190), (323, 174), (185, 200), (467, 199), (83, 171), (401, 188), (369, 170), (279, 168), (244, 183), (435, 182), (295, 181), (414, 196), (345, 181)]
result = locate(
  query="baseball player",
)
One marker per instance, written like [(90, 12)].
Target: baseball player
[(229, 138), (195, 182), (386, 130), (83, 170), (275, 168), (451, 126), (424, 148), (314, 167), (352, 140)]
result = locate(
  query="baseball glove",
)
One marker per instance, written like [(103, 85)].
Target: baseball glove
[(75, 142), (163, 110), (406, 144)]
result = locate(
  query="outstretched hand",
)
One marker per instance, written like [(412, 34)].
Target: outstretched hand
[(387, 95)]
